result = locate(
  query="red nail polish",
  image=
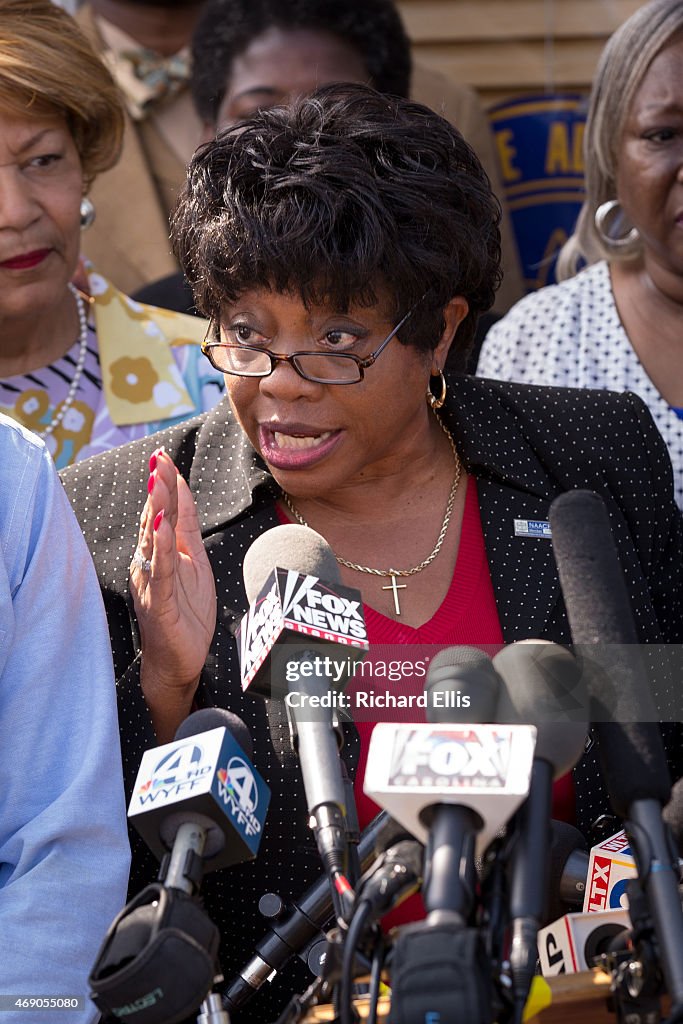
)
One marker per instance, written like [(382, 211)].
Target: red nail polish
[(158, 519), (150, 483), (152, 462)]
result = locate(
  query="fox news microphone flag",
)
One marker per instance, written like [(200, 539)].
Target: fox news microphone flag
[(306, 606), (289, 619)]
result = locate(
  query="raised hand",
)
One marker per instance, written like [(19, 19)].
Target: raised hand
[(174, 594)]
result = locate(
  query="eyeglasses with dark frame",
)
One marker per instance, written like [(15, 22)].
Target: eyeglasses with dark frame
[(319, 367)]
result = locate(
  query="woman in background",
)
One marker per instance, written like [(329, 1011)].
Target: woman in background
[(618, 323), (252, 54), (86, 369)]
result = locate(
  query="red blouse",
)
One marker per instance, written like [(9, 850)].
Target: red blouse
[(467, 615)]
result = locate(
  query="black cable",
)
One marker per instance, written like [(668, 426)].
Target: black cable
[(343, 898), (354, 865), (353, 936), (298, 1006), (375, 980), (518, 1007)]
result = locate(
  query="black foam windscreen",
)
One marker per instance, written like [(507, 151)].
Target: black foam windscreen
[(470, 670), (288, 547), (591, 577), (216, 718), (601, 623), (600, 940), (633, 763), (158, 960)]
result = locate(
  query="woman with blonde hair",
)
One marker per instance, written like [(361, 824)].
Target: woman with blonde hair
[(617, 323), (85, 379)]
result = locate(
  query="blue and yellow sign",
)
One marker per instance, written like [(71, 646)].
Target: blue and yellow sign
[(540, 149)]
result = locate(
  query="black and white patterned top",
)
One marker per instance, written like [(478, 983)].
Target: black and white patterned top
[(570, 335)]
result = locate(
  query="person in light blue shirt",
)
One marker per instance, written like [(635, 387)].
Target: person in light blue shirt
[(64, 853)]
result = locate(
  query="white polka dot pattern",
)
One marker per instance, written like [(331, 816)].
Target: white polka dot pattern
[(525, 445), (571, 335)]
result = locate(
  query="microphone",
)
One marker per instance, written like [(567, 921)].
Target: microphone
[(296, 599), (461, 686), (199, 804), (200, 790), (571, 943), (631, 749), (528, 670), (610, 867), (568, 869), (296, 928), (396, 876), (469, 673), (452, 785), (279, 657)]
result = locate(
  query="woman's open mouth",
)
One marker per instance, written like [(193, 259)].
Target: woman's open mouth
[(297, 447)]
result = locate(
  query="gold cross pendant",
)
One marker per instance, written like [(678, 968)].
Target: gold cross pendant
[(396, 587)]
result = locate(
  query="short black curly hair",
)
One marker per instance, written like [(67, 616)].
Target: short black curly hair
[(227, 27), (341, 196)]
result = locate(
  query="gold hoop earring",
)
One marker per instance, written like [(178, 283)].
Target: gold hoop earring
[(432, 400)]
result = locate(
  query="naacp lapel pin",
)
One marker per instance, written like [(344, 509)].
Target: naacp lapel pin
[(532, 528)]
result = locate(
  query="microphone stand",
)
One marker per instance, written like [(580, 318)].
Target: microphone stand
[(212, 1012), (317, 737), (637, 981), (297, 928)]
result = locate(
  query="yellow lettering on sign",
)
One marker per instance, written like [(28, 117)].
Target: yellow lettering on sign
[(506, 153), (564, 154), (557, 153), (577, 147)]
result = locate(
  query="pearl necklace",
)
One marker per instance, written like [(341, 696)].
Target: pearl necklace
[(82, 352)]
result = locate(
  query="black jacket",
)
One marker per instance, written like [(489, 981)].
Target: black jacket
[(525, 445)]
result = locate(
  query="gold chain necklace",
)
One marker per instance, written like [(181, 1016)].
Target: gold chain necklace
[(394, 574)]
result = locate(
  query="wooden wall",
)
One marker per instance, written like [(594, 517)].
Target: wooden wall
[(506, 47)]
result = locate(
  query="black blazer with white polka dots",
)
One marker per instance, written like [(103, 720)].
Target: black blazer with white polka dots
[(524, 444)]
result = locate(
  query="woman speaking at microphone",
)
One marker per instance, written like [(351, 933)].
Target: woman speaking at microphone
[(343, 249)]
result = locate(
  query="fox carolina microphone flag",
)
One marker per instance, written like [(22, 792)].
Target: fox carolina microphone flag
[(484, 767)]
